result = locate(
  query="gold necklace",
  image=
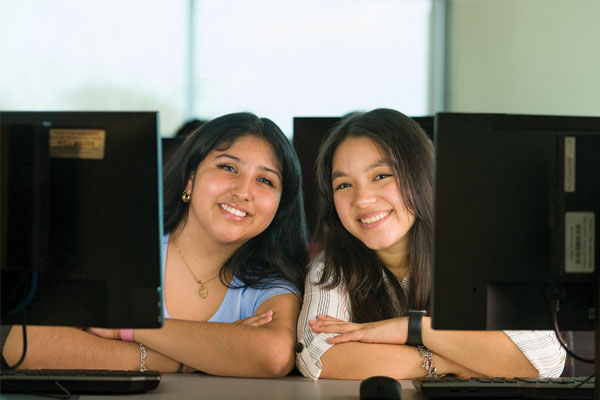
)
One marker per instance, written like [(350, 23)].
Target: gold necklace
[(202, 290)]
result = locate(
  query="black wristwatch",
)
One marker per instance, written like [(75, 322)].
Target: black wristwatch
[(415, 318)]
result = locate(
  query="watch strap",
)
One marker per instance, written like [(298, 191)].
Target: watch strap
[(415, 326)]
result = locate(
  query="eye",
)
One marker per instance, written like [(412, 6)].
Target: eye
[(379, 177), (342, 186), (226, 167), (266, 181)]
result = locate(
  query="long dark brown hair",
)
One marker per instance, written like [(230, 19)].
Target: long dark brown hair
[(348, 262), (280, 251)]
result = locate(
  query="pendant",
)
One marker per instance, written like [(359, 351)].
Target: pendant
[(202, 291)]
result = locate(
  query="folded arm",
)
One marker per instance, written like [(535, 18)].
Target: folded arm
[(490, 353), (215, 348), (355, 360), (366, 349), (232, 349), (50, 347)]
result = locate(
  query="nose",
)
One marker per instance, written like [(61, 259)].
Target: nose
[(364, 196), (242, 188)]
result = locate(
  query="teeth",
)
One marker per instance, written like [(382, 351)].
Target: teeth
[(233, 211), (375, 218)]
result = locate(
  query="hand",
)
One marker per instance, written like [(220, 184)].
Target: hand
[(390, 331), (256, 320), (105, 333)]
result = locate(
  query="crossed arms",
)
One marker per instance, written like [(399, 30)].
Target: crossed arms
[(256, 347)]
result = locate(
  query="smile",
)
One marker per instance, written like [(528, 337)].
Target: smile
[(233, 211), (376, 218)]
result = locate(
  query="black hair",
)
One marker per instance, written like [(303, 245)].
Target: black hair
[(280, 251), (348, 262)]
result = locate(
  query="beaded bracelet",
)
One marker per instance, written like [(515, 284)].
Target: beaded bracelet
[(143, 354), (427, 356)]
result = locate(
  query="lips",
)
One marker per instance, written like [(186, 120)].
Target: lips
[(374, 217), (234, 211)]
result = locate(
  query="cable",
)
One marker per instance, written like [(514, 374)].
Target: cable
[(65, 390), (30, 295), (22, 390), (560, 339), (23, 306), (568, 391), (24, 326)]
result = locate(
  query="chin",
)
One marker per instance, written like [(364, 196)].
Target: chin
[(227, 239), (375, 246)]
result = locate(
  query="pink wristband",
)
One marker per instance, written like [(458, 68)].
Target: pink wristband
[(126, 335)]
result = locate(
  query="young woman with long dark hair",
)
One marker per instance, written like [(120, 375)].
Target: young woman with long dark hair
[(375, 174), (235, 252)]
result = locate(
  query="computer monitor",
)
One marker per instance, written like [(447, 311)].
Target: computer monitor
[(427, 123), (170, 146), (517, 198), (81, 219), (308, 135)]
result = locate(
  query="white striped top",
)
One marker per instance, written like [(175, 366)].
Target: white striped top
[(541, 348)]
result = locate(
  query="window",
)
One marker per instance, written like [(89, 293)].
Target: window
[(277, 59)]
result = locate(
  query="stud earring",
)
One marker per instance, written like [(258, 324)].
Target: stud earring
[(185, 197)]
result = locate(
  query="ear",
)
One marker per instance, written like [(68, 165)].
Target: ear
[(190, 183)]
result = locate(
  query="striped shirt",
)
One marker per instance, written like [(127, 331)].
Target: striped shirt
[(541, 348)]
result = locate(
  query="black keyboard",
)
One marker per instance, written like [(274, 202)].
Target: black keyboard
[(502, 388), (79, 381)]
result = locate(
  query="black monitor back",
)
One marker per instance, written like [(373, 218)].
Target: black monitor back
[(81, 218), (170, 146), (516, 198)]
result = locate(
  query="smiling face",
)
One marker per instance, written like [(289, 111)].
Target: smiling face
[(367, 198), (234, 192)]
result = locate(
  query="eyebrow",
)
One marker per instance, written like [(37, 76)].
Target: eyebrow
[(341, 174), (239, 160)]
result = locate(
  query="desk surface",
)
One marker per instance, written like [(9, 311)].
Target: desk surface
[(200, 386)]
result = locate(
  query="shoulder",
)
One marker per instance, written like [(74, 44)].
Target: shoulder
[(313, 287), (250, 298), (265, 286), (316, 266)]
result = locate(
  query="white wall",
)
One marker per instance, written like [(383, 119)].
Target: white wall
[(523, 56)]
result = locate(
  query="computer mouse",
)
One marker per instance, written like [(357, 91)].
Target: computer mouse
[(380, 387)]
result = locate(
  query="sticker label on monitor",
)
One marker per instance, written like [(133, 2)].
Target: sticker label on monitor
[(579, 242), (570, 158), (77, 143)]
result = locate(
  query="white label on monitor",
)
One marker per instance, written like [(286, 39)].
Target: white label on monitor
[(77, 143), (579, 242), (570, 159)]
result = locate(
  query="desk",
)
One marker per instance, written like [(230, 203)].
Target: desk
[(200, 386)]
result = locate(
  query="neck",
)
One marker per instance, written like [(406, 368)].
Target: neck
[(205, 260), (397, 257)]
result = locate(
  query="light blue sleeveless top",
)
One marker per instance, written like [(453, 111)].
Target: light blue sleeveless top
[(237, 303)]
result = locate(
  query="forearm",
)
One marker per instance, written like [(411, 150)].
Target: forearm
[(70, 348), (490, 353), (224, 349), (355, 360)]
